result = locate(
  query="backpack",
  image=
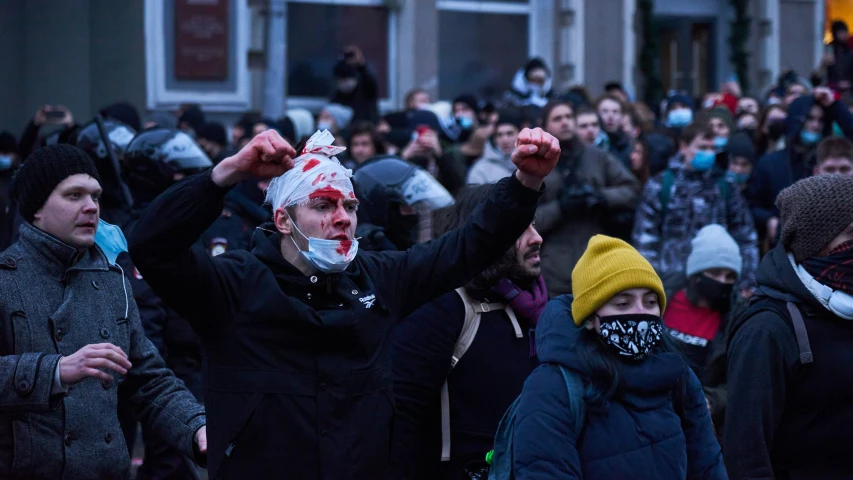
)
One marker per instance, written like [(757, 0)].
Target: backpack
[(473, 311), (501, 457), (668, 181)]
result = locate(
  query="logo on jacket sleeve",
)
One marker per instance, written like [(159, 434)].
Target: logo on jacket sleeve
[(368, 301)]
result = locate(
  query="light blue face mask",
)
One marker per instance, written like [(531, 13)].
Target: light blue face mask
[(703, 160), (111, 240), (737, 178), (809, 138), (720, 142), (680, 117), (465, 122), (329, 256), (5, 162)]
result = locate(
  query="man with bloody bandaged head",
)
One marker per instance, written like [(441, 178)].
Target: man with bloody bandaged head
[(298, 331)]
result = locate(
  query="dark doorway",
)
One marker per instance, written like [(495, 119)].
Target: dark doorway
[(687, 54)]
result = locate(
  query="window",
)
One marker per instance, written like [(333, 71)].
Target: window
[(481, 46), (316, 36)]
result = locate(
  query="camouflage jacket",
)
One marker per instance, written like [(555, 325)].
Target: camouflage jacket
[(694, 202)]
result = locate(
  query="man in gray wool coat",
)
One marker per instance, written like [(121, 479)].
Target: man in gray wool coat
[(70, 334)]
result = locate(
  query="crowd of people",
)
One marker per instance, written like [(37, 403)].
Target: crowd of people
[(542, 285)]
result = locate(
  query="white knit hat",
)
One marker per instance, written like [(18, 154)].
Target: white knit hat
[(713, 247)]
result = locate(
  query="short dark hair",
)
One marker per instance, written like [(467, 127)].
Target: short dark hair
[(834, 147), (613, 85), (586, 111), (696, 129), (549, 107), (611, 97), (362, 128)]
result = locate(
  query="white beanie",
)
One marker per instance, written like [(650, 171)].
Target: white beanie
[(713, 247)]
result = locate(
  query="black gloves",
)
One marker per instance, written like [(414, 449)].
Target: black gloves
[(579, 200)]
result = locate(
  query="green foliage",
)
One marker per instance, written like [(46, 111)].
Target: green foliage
[(649, 53)]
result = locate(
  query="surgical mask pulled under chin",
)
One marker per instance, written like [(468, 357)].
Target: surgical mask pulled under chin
[(329, 256), (111, 240)]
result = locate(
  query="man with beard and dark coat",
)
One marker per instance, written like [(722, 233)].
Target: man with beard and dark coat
[(587, 188), (449, 401), (298, 332), (790, 371), (72, 337), (809, 119), (115, 206), (396, 201), (155, 159)]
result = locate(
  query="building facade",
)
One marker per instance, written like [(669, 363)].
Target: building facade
[(232, 56)]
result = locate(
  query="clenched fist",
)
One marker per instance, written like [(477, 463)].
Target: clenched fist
[(536, 154), (265, 156)]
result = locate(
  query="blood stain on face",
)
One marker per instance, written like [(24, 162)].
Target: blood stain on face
[(311, 164), (327, 192), (344, 247)]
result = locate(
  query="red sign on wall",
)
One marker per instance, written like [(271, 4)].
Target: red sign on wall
[(201, 39)]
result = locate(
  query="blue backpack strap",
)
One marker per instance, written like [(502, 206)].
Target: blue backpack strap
[(667, 181), (500, 459), (577, 407)]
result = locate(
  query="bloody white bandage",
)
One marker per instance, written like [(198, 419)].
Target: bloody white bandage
[(315, 174)]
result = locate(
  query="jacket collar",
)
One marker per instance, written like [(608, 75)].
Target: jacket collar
[(56, 256)]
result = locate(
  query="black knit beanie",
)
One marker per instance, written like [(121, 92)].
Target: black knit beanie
[(814, 211), (43, 170)]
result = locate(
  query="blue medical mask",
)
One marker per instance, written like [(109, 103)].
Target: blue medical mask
[(5, 162), (465, 122), (720, 142), (737, 178), (703, 161), (325, 255), (680, 117), (809, 138), (323, 125), (111, 240)]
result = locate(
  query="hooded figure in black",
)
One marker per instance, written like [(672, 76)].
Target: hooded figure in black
[(356, 87), (397, 200), (839, 71), (807, 123)]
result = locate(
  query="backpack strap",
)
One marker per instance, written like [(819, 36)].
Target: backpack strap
[(577, 407), (802, 334), (667, 181), (473, 312)]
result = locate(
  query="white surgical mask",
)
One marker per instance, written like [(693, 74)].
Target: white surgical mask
[(329, 256)]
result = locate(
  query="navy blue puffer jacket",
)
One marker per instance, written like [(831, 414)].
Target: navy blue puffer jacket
[(639, 437)]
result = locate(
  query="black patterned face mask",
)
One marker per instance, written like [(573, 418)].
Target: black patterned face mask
[(632, 336)]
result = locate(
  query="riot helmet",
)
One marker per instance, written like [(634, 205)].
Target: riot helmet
[(157, 158), (389, 186), (90, 141)]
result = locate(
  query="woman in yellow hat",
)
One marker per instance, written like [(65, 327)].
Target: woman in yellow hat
[(610, 400)]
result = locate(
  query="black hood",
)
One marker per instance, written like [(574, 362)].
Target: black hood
[(777, 279)]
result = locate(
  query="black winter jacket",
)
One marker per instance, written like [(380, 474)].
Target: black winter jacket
[(300, 367), (786, 419)]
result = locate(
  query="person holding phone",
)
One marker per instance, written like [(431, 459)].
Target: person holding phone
[(57, 115), (355, 86)]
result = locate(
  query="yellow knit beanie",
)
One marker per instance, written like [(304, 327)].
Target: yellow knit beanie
[(607, 267)]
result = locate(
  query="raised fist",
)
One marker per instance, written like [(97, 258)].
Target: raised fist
[(265, 156), (536, 152)]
